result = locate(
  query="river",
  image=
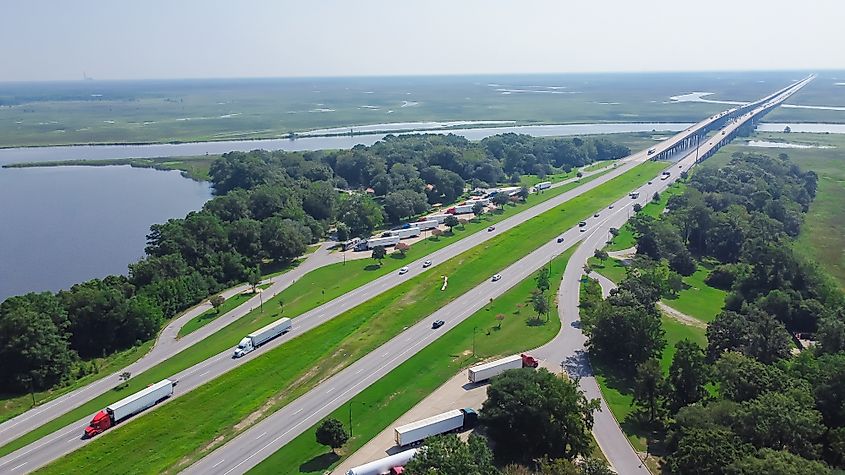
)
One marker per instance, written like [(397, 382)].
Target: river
[(69, 224)]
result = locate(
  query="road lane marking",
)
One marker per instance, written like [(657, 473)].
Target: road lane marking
[(218, 463), (260, 436), (19, 466)]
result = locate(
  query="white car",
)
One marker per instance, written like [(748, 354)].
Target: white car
[(403, 270), (497, 277), (426, 264)]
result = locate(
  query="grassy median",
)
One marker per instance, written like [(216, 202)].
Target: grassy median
[(161, 440), (400, 390)]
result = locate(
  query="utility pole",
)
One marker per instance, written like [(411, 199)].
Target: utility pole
[(473, 340)]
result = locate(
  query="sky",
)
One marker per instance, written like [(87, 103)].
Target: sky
[(155, 39)]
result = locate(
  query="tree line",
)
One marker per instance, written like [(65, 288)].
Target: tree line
[(269, 206), (745, 403)]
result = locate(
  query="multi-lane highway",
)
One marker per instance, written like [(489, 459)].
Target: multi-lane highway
[(339, 388), (267, 436)]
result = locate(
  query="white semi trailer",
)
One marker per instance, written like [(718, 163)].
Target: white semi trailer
[(384, 242), (440, 424), (426, 225), (486, 371), (384, 465), (413, 231), (263, 335), (543, 185), (129, 406)]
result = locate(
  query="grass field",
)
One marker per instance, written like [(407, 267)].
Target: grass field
[(210, 315), (190, 110), (698, 299), (310, 291), (401, 389), (301, 363), (823, 233)]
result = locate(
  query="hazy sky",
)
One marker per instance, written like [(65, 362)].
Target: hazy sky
[(50, 40)]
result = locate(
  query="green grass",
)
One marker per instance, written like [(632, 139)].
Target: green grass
[(210, 315), (379, 405), (698, 299), (299, 364), (310, 291), (613, 269)]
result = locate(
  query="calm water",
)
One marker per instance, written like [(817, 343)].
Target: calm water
[(60, 226)]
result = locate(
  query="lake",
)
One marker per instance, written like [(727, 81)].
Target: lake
[(60, 226)]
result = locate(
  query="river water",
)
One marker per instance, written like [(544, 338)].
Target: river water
[(59, 226)]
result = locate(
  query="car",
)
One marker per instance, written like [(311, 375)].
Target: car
[(596, 215), (426, 264), (491, 228), (437, 324), (403, 270), (583, 230), (649, 183), (582, 224), (497, 277), (560, 240), (610, 207), (680, 166)]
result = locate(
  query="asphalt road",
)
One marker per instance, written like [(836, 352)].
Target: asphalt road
[(246, 450), (264, 438)]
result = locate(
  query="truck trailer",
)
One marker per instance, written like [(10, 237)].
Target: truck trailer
[(384, 242), (263, 335), (460, 209), (426, 225), (440, 424), (486, 371), (403, 233), (543, 185), (385, 465), (129, 406), (440, 218)]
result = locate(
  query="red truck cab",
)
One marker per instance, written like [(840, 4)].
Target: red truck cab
[(99, 423), (529, 361)]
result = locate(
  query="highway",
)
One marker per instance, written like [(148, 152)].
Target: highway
[(261, 440), (242, 455)]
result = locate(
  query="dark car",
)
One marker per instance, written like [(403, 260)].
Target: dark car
[(491, 228), (596, 215), (437, 324), (560, 240)]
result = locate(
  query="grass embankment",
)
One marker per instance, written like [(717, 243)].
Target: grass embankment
[(216, 412), (210, 315), (312, 290), (822, 235), (194, 167), (379, 405)]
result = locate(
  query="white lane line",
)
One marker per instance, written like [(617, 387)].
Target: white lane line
[(328, 391), (359, 371), (218, 463), (203, 374), (72, 440), (19, 466), (298, 410), (260, 436)]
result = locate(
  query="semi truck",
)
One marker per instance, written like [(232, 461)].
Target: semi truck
[(482, 201), (543, 185), (373, 242), (426, 225), (460, 209), (129, 406), (440, 424), (391, 465), (486, 371), (440, 218), (406, 232), (263, 335)]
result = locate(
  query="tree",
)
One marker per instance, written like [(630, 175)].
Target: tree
[(614, 232), (533, 413), (523, 193), (637, 207), (448, 454), (361, 214), (707, 451), (402, 248), (625, 335), (331, 433), (378, 254), (500, 317), (436, 232), (478, 209), (543, 279), (688, 374), (342, 232), (500, 199), (404, 204), (284, 239), (540, 303), (579, 174), (655, 197), (601, 255), (451, 221), (216, 301), (253, 277), (650, 388), (776, 462)]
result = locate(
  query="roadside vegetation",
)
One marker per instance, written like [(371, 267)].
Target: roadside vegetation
[(304, 361), (736, 399), (195, 168)]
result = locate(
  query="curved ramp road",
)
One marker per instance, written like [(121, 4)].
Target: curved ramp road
[(260, 441)]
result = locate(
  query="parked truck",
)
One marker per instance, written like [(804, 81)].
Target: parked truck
[(440, 424), (384, 242), (387, 465), (129, 406), (440, 218), (460, 209), (406, 232), (543, 185), (486, 371), (426, 225), (263, 335)]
